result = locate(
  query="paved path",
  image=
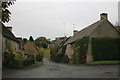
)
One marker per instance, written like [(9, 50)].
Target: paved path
[(55, 70)]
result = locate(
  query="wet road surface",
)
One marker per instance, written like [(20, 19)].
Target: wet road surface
[(55, 70)]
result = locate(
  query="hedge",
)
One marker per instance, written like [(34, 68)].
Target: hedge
[(106, 49), (12, 60), (57, 57), (30, 60)]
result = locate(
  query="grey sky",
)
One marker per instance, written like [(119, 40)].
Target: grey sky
[(48, 18)]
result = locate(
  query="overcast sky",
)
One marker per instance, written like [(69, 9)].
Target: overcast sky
[(55, 18)]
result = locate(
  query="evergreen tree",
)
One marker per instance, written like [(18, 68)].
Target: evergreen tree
[(24, 40), (31, 38)]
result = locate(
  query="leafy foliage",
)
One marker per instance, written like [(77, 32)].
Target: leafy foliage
[(8, 44), (40, 55), (42, 42), (106, 49), (5, 12), (80, 51), (82, 45), (31, 38), (24, 40), (12, 59), (57, 57), (30, 60), (65, 59), (30, 48)]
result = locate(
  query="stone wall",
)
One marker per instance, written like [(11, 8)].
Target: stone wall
[(13, 44), (89, 55), (105, 29), (69, 51)]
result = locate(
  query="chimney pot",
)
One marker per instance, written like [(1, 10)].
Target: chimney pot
[(104, 16), (75, 32)]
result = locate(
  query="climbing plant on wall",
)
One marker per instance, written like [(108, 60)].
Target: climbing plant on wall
[(80, 50)]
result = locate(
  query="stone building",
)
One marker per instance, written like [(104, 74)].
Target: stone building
[(9, 41), (101, 28)]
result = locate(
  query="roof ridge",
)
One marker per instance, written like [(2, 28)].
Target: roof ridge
[(8, 34), (85, 32)]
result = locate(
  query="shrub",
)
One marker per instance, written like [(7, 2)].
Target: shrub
[(80, 51), (57, 53), (40, 55), (12, 59), (30, 60), (58, 57), (106, 48), (65, 59), (82, 45), (82, 58)]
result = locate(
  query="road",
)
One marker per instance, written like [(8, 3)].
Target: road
[(56, 70)]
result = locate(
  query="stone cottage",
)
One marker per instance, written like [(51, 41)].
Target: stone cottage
[(101, 28), (8, 39)]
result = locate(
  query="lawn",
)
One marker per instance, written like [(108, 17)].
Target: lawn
[(47, 53), (37, 64), (104, 62)]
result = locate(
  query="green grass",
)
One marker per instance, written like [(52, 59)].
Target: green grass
[(47, 53), (104, 62), (37, 64)]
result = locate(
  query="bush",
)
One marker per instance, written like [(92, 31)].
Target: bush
[(12, 59), (30, 60), (57, 57), (27, 62), (57, 54), (65, 59), (80, 49), (40, 55), (106, 48), (82, 45)]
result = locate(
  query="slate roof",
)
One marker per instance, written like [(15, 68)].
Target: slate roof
[(85, 32), (8, 34)]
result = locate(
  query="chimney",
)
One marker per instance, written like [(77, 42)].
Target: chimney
[(75, 32), (104, 16), (9, 28), (19, 39)]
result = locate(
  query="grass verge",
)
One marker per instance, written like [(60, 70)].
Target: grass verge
[(37, 64), (104, 62)]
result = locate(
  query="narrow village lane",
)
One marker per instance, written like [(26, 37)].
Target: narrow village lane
[(55, 70)]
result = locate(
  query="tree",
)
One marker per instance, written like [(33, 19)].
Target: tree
[(31, 38), (5, 12), (24, 40), (30, 48), (42, 42)]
